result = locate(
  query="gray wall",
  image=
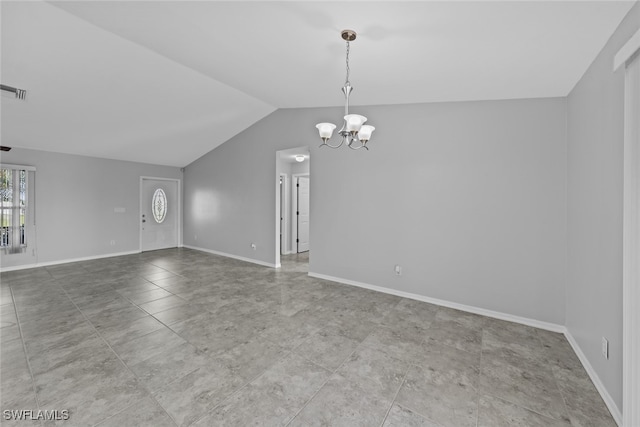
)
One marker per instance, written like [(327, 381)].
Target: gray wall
[(468, 197), (75, 201), (594, 209)]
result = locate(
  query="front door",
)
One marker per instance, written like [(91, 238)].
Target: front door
[(303, 214), (159, 214)]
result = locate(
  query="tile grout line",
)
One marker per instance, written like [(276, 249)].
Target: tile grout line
[(242, 387), (556, 383), (331, 373), (393, 401), (118, 357), (479, 376), (121, 361), (24, 349), (334, 372), (119, 412), (520, 405), (411, 365)]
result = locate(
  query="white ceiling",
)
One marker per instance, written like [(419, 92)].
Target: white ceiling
[(289, 156), (166, 81)]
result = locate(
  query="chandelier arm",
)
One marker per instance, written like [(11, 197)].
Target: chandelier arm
[(362, 144), (332, 146)]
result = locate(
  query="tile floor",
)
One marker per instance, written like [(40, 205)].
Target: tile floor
[(181, 337)]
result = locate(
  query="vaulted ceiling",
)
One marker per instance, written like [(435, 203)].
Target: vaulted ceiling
[(164, 82)]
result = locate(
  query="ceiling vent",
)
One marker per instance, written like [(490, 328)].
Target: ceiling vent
[(19, 93)]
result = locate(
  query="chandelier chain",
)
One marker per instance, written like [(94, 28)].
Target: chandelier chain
[(346, 82)]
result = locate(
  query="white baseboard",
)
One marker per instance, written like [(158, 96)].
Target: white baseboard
[(224, 254), (608, 400), (66, 261), (468, 308)]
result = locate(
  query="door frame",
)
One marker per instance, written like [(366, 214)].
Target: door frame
[(631, 248), (283, 212), (627, 55), (178, 222), (294, 205), (284, 169)]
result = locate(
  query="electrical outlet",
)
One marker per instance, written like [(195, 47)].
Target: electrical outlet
[(398, 270), (112, 243), (253, 246), (605, 348)]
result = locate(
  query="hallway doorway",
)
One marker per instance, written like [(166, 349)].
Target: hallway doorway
[(292, 220)]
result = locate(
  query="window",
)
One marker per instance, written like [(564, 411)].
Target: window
[(14, 200), (159, 205)]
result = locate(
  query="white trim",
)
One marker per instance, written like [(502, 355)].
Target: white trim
[(294, 207), (66, 261), (284, 214), (608, 400), (19, 167), (468, 308), (224, 254), (631, 249), (627, 51), (281, 225), (178, 221)]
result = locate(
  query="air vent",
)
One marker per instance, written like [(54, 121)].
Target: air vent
[(19, 93)]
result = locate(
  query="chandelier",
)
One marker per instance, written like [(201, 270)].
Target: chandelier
[(354, 132)]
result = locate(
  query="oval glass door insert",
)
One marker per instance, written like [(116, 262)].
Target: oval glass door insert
[(159, 205)]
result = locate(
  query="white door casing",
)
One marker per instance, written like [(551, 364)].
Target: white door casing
[(631, 243), (159, 229), (303, 214), (282, 212)]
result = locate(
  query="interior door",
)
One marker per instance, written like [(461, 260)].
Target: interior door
[(282, 251), (159, 214), (303, 214)]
